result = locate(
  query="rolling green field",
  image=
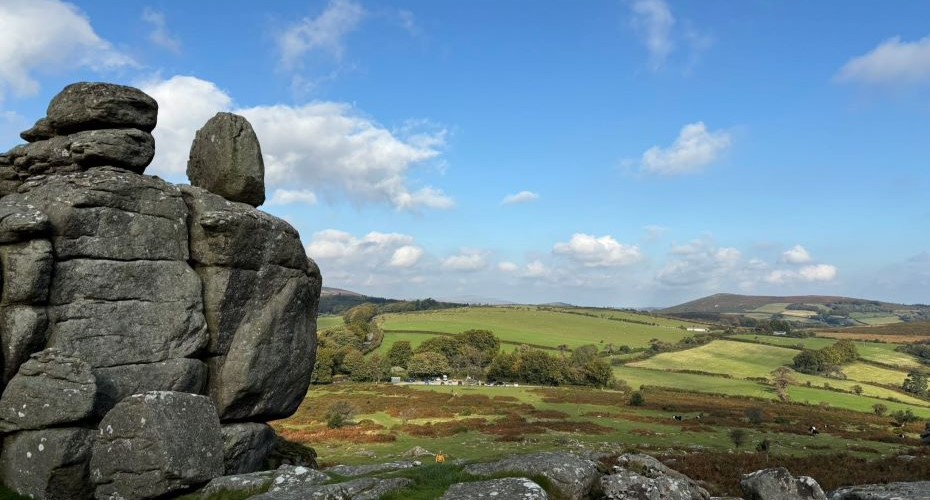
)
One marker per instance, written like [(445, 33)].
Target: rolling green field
[(743, 360), (529, 325), (876, 352), (324, 322)]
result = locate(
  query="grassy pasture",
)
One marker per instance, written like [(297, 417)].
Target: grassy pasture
[(875, 319), (738, 359), (875, 352), (529, 325), (324, 322)]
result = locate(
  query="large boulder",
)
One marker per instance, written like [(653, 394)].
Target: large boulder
[(226, 159), (49, 464), (23, 331), (508, 487), (641, 477), (571, 476), (93, 106), (779, 484), (919, 490), (260, 298), (50, 389), (157, 442)]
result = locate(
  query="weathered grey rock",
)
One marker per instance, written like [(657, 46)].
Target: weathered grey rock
[(246, 446), (50, 389), (117, 382), (779, 484), (226, 159), (154, 443), (290, 478), (919, 490), (23, 331), (266, 336), (260, 294), (229, 234), (628, 485), (93, 106), (114, 313), (27, 271), (252, 483), (38, 132), (125, 148), (48, 464), (108, 213), (366, 488), (363, 470), (640, 476), (570, 475), (509, 487), (21, 222)]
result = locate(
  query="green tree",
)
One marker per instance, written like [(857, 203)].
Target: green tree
[(879, 409), (637, 399), (484, 341), (584, 354), (535, 366), (857, 389), (324, 365), (352, 361), (428, 364), (781, 379), (442, 344), (399, 354), (915, 383), (808, 361), (598, 373), (502, 367)]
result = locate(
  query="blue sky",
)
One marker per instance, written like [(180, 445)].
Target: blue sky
[(622, 153)]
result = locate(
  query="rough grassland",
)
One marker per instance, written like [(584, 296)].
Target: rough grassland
[(528, 325), (737, 359)]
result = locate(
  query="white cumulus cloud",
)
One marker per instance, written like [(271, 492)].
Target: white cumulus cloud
[(807, 274), (893, 62), (507, 267), (466, 261), (49, 36), (604, 251), (521, 197), (326, 32), (328, 149), (406, 256), (700, 262), (693, 150), (796, 255)]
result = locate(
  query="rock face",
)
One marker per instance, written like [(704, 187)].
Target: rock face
[(641, 477), (779, 484), (50, 389), (226, 159), (571, 475), (919, 490), (118, 284), (508, 487)]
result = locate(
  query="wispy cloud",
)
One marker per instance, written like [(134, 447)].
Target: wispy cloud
[(891, 63), (160, 35), (326, 32), (466, 261), (695, 148), (654, 21), (807, 274), (521, 197)]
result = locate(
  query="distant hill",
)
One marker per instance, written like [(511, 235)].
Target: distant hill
[(556, 304), (808, 310), (477, 300), (338, 301)]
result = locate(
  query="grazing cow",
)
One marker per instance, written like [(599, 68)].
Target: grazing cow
[(813, 430), (678, 418)]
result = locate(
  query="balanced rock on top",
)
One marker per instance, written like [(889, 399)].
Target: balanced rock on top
[(226, 159)]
